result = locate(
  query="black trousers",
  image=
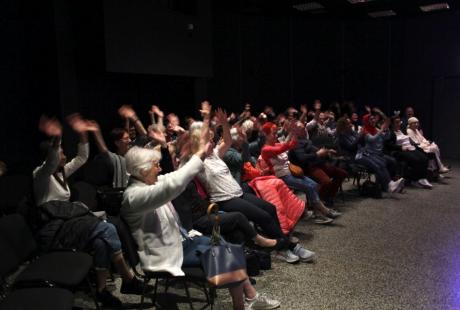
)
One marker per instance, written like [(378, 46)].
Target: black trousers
[(259, 211), (234, 226), (417, 162)]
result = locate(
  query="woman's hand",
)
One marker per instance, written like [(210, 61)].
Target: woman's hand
[(50, 126)]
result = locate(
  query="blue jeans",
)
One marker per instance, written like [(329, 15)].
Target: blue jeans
[(105, 244), (303, 184), (378, 166)]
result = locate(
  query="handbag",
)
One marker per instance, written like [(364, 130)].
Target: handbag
[(224, 263), (296, 170)]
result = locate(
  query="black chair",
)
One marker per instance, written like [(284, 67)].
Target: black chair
[(63, 269), (28, 298), (192, 275), (13, 188)]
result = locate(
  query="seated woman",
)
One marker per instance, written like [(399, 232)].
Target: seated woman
[(154, 224), (223, 189), (313, 162), (275, 156), (234, 226), (428, 147), (289, 208), (351, 145), (50, 184), (401, 148)]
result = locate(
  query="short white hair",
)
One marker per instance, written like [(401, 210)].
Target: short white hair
[(139, 159), (234, 133), (247, 125)]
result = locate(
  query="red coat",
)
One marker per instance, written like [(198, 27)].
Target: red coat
[(289, 207)]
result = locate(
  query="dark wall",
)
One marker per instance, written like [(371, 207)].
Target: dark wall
[(54, 61), (28, 77), (291, 60), (154, 37)]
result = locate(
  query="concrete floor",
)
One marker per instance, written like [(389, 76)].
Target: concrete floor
[(400, 252)]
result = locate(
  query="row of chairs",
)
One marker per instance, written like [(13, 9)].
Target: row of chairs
[(47, 281)]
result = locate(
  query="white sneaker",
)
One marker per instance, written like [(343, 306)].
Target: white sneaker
[(261, 301), (396, 186), (304, 254), (424, 183), (443, 170), (287, 256)]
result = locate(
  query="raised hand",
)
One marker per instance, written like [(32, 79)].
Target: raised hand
[(92, 125), (303, 109), (127, 112), (78, 124), (156, 110), (157, 136), (205, 109), (50, 126), (221, 116), (367, 108)]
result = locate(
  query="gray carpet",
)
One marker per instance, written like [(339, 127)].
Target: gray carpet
[(400, 252)]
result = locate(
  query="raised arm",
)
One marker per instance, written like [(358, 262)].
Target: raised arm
[(128, 113), (226, 143), (93, 126), (53, 129), (80, 126)]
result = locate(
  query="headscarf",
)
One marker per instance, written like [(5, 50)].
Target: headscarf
[(412, 120), (367, 127)]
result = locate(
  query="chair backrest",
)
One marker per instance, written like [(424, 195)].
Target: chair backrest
[(128, 243), (13, 188), (14, 229)]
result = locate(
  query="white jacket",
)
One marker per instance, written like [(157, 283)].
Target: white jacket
[(153, 221)]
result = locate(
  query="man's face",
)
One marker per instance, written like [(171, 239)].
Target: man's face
[(354, 117), (123, 143), (409, 112)]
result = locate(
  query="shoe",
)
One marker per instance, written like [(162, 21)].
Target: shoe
[(333, 214), (134, 287), (261, 301), (443, 170), (396, 186), (287, 256), (108, 300), (304, 254), (424, 183), (322, 220)]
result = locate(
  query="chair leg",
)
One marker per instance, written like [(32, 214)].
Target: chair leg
[(188, 294), (166, 285), (92, 293), (144, 286)]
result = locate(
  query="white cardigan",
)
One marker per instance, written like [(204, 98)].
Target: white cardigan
[(46, 187), (153, 221)]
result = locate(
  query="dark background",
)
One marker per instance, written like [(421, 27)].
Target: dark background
[(60, 57)]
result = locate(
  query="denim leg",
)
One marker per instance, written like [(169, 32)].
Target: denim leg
[(304, 184), (105, 244), (378, 167)]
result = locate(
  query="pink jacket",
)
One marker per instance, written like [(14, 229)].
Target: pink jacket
[(289, 208)]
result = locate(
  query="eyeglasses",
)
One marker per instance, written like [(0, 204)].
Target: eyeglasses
[(156, 164)]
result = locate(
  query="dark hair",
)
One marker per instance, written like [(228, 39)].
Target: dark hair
[(115, 135), (393, 119), (342, 125)]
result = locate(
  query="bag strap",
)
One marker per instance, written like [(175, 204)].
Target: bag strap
[(213, 208)]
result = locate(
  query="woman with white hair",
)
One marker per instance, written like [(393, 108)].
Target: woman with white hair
[(429, 147), (154, 223)]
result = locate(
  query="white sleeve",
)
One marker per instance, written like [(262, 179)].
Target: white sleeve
[(168, 187), (79, 160)]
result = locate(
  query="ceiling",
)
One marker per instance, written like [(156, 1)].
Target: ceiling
[(335, 8)]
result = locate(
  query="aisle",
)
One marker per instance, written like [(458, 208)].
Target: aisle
[(402, 252)]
